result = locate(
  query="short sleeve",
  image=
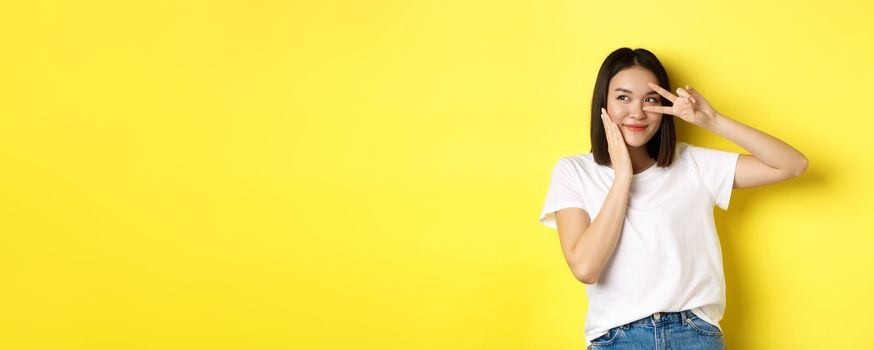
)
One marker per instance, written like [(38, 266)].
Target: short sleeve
[(564, 192), (717, 169)]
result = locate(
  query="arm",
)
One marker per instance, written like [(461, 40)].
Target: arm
[(772, 160), (589, 247)]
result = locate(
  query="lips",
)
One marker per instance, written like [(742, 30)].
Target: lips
[(635, 127)]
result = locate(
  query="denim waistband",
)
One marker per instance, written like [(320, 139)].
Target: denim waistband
[(665, 318)]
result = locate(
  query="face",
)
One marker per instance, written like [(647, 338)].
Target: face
[(628, 94)]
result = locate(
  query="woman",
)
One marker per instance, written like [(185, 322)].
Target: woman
[(651, 258)]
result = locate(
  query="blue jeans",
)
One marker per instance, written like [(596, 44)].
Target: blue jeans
[(663, 330)]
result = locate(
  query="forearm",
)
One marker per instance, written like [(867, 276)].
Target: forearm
[(599, 240), (770, 150)]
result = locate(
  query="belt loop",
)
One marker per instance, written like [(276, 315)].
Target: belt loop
[(685, 315)]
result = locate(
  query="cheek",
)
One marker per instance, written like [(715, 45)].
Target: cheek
[(657, 126), (616, 111), (654, 116)]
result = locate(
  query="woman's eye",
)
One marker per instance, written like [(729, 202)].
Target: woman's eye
[(651, 99)]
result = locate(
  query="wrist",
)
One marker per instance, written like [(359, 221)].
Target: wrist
[(713, 121), (622, 180)]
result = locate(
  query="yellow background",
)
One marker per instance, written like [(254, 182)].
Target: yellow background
[(368, 174)]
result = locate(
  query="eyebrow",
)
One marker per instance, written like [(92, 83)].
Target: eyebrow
[(651, 92)]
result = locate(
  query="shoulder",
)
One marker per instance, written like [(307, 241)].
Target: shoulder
[(701, 153), (683, 149), (576, 168), (577, 162)]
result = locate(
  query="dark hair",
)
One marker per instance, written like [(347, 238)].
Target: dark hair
[(661, 146)]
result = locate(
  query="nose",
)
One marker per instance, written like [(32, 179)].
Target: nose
[(637, 111)]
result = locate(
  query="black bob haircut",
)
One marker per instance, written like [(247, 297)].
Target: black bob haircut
[(662, 144)]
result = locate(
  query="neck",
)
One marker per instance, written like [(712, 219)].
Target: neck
[(640, 160)]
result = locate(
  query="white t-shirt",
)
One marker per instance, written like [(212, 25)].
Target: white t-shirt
[(668, 257)]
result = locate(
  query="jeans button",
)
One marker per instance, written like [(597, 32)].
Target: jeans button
[(657, 316)]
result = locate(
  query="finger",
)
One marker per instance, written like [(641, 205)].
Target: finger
[(606, 116), (686, 93), (665, 93), (658, 109), (610, 123), (605, 121), (608, 131), (609, 126)]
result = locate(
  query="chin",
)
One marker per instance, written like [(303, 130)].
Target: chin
[(636, 144)]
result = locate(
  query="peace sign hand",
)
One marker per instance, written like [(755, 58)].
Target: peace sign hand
[(689, 106)]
